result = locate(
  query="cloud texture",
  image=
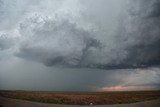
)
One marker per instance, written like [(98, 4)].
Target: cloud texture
[(56, 41), (81, 35), (141, 33), (61, 39)]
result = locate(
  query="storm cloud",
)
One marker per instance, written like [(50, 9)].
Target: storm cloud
[(99, 44), (56, 41), (142, 34), (61, 40)]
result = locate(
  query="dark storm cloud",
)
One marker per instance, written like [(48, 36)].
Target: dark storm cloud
[(142, 31), (56, 42), (64, 42), (59, 39), (156, 9), (139, 37), (86, 37)]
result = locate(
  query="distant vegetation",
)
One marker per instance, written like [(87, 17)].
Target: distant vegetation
[(83, 98)]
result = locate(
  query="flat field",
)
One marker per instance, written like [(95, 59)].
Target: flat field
[(83, 98)]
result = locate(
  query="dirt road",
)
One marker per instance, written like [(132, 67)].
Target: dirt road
[(7, 102)]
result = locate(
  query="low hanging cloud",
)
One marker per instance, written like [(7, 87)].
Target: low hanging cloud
[(64, 38), (84, 44), (62, 41), (55, 42)]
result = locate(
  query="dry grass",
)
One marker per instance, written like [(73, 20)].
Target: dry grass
[(83, 98)]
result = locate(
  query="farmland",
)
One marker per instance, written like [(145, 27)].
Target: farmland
[(83, 98)]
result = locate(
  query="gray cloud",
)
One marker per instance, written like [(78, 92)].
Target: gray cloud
[(155, 12), (98, 42), (142, 35), (5, 42), (63, 41), (55, 42), (27, 73), (136, 43), (10, 13)]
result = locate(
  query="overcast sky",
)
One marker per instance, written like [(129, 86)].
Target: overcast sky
[(79, 45)]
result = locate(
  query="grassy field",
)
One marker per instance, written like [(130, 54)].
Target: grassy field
[(83, 98)]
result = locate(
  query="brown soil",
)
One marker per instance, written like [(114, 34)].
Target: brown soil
[(83, 98)]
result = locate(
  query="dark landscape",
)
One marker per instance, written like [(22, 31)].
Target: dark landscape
[(83, 98)]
